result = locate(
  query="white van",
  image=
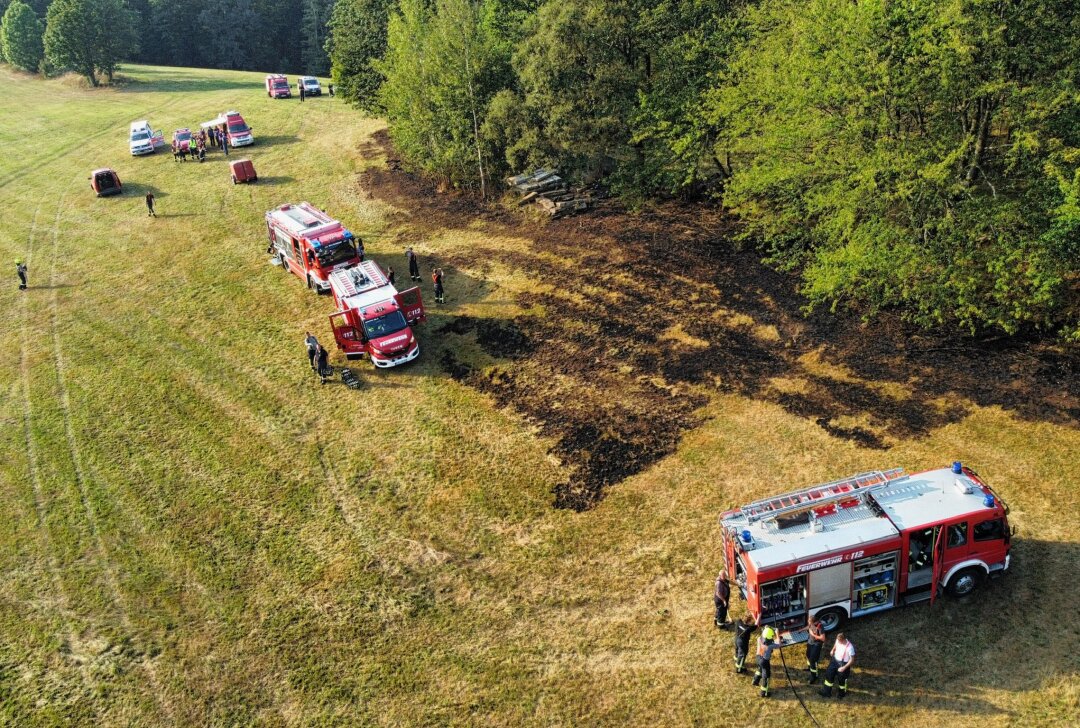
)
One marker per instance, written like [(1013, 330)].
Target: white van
[(311, 86), (143, 139)]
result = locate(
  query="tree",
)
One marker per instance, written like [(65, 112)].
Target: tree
[(229, 24), (357, 40), (918, 155), (314, 32), (20, 37), (88, 36), (442, 68)]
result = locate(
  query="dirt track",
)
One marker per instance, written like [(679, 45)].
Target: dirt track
[(672, 310)]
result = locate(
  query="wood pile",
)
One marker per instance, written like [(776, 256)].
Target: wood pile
[(550, 193)]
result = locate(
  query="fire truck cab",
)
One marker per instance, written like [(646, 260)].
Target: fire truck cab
[(310, 243), (865, 544), (374, 318)]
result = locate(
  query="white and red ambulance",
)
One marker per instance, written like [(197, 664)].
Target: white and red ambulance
[(310, 243), (375, 319), (865, 544)]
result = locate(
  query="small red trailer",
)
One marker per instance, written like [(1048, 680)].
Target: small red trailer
[(865, 544), (374, 317), (105, 182), (243, 171)]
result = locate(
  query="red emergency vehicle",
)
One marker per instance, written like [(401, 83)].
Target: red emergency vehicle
[(239, 133), (865, 544), (310, 243), (374, 318), (277, 86)]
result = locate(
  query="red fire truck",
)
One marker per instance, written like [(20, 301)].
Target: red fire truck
[(374, 318), (277, 86), (865, 544), (310, 243)]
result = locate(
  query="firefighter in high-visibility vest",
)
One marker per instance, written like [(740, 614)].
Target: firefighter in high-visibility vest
[(765, 645), (841, 659), (814, 642), (744, 629)]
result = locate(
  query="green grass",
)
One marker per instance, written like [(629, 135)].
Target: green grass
[(196, 533)]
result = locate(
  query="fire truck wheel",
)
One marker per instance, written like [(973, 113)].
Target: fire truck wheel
[(832, 619), (965, 581)]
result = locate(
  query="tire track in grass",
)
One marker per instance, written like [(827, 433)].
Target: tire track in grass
[(61, 595), (81, 481)]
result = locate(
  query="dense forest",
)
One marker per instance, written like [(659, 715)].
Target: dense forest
[(921, 156)]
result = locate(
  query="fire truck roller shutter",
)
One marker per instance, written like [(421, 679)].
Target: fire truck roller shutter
[(831, 584)]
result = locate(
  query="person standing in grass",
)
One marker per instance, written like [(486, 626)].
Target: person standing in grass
[(324, 365), (312, 345), (20, 270), (721, 595), (744, 630), (814, 642), (150, 205), (437, 280), (414, 264), (390, 274), (841, 659), (301, 85), (766, 644), (331, 90), (225, 143)]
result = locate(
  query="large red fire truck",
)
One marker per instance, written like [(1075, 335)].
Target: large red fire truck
[(310, 243), (374, 318), (865, 544)]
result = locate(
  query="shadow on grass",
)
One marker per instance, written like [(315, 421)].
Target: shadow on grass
[(272, 181), (271, 140), (139, 189)]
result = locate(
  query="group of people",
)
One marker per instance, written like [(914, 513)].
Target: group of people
[(318, 357), (214, 137), (841, 656), (437, 275)]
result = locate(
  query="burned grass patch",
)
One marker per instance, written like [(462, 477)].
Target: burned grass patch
[(642, 316)]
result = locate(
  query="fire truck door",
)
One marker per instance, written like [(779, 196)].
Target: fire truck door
[(347, 335), (938, 568), (920, 561), (411, 305)]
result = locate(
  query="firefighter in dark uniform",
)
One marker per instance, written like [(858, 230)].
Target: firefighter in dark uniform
[(814, 642), (744, 629), (721, 595), (841, 659), (765, 645)]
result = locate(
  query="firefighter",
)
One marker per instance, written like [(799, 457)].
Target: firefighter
[(921, 549), (150, 205), (744, 629), (414, 264), (437, 280), (840, 660), (765, 645), (721, 594), (390, 274), (325, 371), (814, 642), (20, 270)]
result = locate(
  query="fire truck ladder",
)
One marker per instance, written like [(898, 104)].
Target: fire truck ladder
[(818, 495)]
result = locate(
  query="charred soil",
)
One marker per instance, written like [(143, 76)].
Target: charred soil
[(643, 315)]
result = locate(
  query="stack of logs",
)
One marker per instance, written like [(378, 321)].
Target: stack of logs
[(550, 193)]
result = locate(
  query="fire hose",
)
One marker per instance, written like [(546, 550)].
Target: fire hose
[(792, 684)]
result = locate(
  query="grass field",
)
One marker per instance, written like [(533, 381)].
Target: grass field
[(195, 532)]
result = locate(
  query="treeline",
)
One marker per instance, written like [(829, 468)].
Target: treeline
[(273, 35), (921, 156)]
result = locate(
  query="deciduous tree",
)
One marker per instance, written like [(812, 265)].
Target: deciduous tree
[(21, 37)]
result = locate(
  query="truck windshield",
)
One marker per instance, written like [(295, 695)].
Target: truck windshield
[(236, 127), (335, 253), (384, 325), (139, 136)]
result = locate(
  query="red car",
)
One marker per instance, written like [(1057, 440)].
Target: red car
[(105, 182), (181, 139), (243, 171)]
